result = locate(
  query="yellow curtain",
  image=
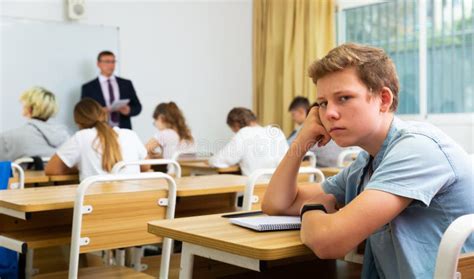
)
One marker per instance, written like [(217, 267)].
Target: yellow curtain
[(288, 35)]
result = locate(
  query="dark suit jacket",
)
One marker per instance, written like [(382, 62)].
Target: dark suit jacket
[(93, 90)]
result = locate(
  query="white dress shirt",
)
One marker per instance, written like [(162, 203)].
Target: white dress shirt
[(253, 147)]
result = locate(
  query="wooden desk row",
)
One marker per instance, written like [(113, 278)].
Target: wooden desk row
[(192, 167), (39, 177), (189, 167)]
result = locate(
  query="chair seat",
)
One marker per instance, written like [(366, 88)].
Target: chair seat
[(98, 272)]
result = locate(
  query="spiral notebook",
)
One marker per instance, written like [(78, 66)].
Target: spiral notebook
[(268, 223)]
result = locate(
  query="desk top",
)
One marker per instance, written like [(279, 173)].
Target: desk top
[(203, 165), (330, 171), (61, 197), (214, 231), (205, 184), (38, 176), (32, 177)]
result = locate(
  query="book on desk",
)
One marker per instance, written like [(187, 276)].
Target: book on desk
[(264, 222)]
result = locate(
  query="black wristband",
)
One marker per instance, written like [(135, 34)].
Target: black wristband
[(312, 206)]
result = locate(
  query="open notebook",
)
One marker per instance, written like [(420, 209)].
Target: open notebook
[(268, 223)]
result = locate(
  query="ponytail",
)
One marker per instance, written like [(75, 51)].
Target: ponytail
[(89, 114)]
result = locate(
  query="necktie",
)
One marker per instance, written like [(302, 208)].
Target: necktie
[(114, 116)]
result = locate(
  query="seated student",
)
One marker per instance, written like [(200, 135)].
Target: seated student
[(298, 109), (253, 146), (173, 134), (96, 147), (37, 137), (402, 192)]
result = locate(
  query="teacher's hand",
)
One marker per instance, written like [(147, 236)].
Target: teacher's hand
[(125, 110)]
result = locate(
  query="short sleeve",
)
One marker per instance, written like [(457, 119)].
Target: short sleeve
[(336, 185), (70, 151), (414, 167)]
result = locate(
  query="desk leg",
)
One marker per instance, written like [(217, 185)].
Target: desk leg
[(21, 266), (187, 261), (190, 250), (29, 263)]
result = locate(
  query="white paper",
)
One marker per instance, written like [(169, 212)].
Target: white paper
[(118, 104), (268, 223)]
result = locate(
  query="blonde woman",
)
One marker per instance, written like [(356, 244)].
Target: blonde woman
[(96, 147), (37, 137)]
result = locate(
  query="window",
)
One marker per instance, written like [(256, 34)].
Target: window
[(446, 37)]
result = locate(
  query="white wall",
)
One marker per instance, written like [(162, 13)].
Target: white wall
[(196, 53)]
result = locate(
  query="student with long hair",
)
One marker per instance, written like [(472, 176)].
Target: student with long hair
[(253, 146), (173, 133), (96, 147), (38, 137)]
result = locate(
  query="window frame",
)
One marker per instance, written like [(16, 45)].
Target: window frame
[(462, 118)]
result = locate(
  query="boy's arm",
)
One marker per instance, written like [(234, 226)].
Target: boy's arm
[(283, 196), (331, 236)]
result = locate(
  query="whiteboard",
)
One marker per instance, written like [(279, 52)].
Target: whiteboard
[(58, 56)]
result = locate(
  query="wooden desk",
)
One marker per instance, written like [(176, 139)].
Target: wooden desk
[(32, 177), (39, 177), (213, 237), (207, 194), (42, 217), (204, 168), (193, 159), (328, 171), (17, 203)]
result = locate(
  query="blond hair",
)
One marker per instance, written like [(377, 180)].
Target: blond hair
[(373, 67), (89, 114), (41, 102)]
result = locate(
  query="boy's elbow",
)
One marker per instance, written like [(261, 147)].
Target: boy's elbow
[(323, 247), (269, 208)]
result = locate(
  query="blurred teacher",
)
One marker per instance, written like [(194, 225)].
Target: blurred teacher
[(108, 88)]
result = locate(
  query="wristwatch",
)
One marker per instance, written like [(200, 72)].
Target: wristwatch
[(312, 206)]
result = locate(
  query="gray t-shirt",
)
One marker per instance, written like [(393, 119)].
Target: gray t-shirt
[(420, 162)]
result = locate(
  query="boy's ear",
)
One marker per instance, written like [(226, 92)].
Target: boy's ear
[(386, 99)]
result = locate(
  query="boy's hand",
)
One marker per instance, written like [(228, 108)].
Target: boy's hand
[(312, 131)]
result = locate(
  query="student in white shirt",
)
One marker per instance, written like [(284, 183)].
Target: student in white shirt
[(173, 134), (97, 147), (253, 146)]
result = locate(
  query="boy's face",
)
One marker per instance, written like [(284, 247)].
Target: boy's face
[(298, 115), (348, 110)]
